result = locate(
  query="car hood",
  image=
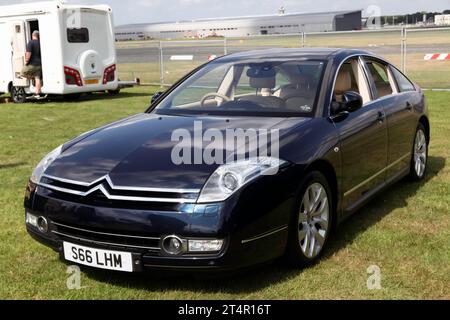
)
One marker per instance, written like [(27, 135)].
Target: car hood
[(137, 151)]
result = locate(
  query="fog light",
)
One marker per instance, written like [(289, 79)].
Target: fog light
[(205, 245), (42, 225), (174, 245), (32, 220)]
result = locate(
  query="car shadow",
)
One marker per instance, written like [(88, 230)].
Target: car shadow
[(11, 165), (259, 277), (383, 204)]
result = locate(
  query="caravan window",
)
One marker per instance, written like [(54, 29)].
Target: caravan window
[(78, 35)]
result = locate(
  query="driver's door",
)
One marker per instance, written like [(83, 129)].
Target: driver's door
[(363, 137)]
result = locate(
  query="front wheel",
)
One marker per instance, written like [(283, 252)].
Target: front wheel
[(18, 94), (311, 220), (419, 157)]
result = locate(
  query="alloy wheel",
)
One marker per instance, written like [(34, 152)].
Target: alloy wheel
[(313, 220), (420, 153), (18, 94)]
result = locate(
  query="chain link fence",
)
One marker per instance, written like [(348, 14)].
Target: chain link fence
[(164, 62)]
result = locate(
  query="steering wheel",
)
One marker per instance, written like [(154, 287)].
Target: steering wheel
[(213, 94)]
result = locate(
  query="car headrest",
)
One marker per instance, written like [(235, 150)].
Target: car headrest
[(262, 83), (262, 76), (343, 81)]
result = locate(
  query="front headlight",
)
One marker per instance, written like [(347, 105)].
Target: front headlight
[(231, 177), (44, 164)]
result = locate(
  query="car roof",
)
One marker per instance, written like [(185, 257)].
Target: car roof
[(311, 53)]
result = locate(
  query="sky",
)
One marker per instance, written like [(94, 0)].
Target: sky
[(138, 11)]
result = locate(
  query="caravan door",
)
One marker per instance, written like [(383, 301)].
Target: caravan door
[(19, 48)]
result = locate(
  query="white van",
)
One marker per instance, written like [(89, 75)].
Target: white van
[(77, 48)]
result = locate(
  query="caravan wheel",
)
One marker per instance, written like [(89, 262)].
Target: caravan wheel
[(18, 94)]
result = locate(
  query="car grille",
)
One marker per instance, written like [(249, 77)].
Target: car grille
[(103, 192), (105, 239)]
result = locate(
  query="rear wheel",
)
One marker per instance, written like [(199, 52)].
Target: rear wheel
[(311, 220), (18, 94), (419, 157)]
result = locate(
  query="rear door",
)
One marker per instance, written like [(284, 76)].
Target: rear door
[(400, 117), (18, 46)]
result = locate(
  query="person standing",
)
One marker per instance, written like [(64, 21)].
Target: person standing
[(33, 62)]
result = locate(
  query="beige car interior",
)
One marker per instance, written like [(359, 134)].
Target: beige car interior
[(299, 92), (351, 78), (383, 79)]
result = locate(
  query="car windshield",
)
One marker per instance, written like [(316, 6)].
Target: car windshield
[(265, 87)]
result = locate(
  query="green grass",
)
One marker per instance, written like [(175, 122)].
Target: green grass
[(405, 230)]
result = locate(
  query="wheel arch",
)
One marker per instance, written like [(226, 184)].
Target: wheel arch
[(426, 123), (10, 86), (327, 169)]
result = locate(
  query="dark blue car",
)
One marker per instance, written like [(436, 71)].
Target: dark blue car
[(251, 157)]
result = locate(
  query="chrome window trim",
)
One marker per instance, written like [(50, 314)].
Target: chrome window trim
[(376, 175), (388, 70), (360, 57)]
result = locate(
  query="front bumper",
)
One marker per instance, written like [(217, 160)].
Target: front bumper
[(146, 261), (101, 227)]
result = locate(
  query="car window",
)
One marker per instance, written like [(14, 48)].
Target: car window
[(80, 35), (199, 88), (345, 81), (403, 83), (351, 77), (257, 86), (380, 76), (243, 87), (281, 80)]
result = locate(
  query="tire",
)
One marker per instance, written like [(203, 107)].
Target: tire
[(309, 230), (18, 94), (419, 158)]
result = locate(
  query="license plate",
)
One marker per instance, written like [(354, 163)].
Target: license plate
[(98, 258), (91, 81)]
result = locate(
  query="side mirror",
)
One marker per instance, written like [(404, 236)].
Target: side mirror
[(351, 101), (156, 96)]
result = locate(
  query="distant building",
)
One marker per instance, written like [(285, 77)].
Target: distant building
[(442, 20), (244, 26)]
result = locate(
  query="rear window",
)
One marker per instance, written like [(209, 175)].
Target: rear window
[(80, 35), (403, 83)]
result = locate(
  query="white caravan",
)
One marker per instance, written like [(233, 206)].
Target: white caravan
[(77, 48)]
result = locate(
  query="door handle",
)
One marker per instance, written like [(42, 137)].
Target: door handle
[(381, 116), (409, 106)]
